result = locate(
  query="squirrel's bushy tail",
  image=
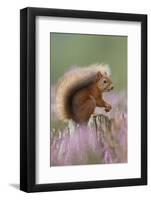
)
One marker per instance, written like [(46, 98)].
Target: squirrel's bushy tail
[(71, 81)]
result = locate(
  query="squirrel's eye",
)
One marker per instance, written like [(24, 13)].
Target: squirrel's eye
[(104, 81)]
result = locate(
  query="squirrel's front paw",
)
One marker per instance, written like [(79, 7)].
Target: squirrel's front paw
[(108, 107)]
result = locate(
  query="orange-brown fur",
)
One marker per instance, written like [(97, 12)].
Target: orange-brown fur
[(80, 90), (85, 100)]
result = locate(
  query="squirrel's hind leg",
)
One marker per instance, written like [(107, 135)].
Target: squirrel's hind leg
[(84, 111)]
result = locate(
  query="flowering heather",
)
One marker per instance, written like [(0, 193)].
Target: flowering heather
[(102, 141)]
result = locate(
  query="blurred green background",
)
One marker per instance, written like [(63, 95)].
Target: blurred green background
[(67, 50)]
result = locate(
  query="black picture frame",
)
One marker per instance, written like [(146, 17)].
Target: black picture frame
[(28, 98)]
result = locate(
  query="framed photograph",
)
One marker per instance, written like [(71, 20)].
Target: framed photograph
[(83, 99)]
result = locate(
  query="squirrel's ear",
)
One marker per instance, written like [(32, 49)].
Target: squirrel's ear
[(98, 76)]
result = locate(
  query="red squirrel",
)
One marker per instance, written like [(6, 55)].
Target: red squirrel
[(80, 91)]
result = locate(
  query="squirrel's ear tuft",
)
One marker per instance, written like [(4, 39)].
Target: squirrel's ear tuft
[(98, 76)]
